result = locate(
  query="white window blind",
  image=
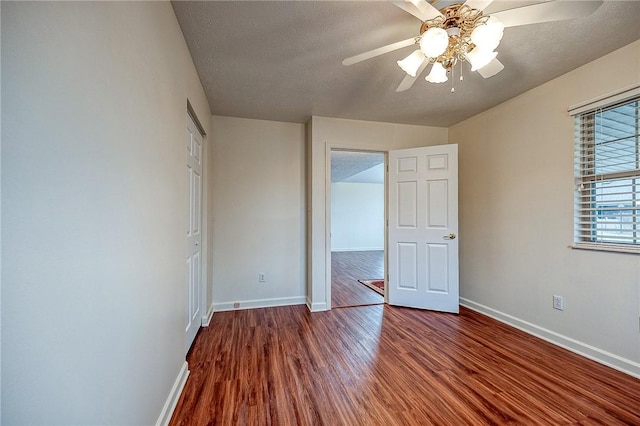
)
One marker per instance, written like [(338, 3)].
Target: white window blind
[(607, 173)]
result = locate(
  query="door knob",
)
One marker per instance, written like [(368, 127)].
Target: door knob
[(451, 236)]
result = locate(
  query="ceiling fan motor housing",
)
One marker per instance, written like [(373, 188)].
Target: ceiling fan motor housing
[(455, 16)]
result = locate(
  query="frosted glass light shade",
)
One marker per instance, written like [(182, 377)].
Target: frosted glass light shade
[(438, 74), (479, 57), (434, 42), (411, 63), (488, 36)]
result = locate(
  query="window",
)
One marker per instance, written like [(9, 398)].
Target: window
[(607, 173)]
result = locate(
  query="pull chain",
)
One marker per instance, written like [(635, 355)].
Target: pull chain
[(453, 79)]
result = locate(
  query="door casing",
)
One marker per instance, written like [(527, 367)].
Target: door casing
[(346, 147)]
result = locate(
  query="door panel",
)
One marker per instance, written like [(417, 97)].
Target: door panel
[(195, 201), (408, 199), (423, 227), (437, 261), (408, 266), (437, 203)]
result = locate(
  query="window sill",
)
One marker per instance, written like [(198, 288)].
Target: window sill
[(613, 248)]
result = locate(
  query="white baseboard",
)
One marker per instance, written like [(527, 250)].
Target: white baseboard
[(259, 303), (174, 395), (596, 354), (316, 307), (207, 318), (359, 249)]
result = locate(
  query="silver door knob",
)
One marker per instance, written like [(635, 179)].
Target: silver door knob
[(451, 236)]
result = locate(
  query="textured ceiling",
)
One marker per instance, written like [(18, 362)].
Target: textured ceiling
[(357, 167), (281, 60)]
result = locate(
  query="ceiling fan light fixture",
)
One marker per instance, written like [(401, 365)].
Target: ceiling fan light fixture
[(411, 63), (488, 35), (438, 74), (480, 57), (434, 42), (461, 32)]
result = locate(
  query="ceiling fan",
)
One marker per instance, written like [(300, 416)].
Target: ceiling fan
[(462, 32)]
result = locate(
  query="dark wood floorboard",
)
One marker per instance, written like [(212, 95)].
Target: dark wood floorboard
[(347, 267), (384, 365)]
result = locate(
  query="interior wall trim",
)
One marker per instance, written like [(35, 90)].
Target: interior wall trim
[(259, 303), (174, 395), (316, 307), (206, 319), (358, 249), (601, 356)]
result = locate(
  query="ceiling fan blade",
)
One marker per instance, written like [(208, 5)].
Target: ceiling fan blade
[(421, 9), (379, 51), (491, 69), (408, 81), (547, 12), (478, 4)]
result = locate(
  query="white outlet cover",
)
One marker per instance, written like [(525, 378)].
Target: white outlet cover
[(558, 302)]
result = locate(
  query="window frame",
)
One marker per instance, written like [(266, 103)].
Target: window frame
[(587, 179)]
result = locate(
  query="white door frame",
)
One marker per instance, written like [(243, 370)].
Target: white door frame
[(327, 238)]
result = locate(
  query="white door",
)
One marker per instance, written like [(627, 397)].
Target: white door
[(194, 234), (423, 228)]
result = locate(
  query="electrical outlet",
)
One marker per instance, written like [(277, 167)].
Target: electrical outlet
[(236, 305), (262, 277), (558, 303)]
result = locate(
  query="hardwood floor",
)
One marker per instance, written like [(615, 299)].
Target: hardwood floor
[(347, 267), (383, 365)]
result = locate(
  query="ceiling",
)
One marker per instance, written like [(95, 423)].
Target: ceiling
[(281, 60), (357, 167)]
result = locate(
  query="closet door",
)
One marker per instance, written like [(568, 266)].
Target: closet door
[(194, 231)]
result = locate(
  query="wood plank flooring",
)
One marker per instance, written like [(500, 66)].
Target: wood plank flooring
[(347, 267), (383, 365)]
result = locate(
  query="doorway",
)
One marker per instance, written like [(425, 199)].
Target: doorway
[(357, 228)]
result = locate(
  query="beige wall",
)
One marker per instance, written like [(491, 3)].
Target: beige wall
[(327, 133), (258, 186), (516, 219), (94, 99), (357, 216)]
